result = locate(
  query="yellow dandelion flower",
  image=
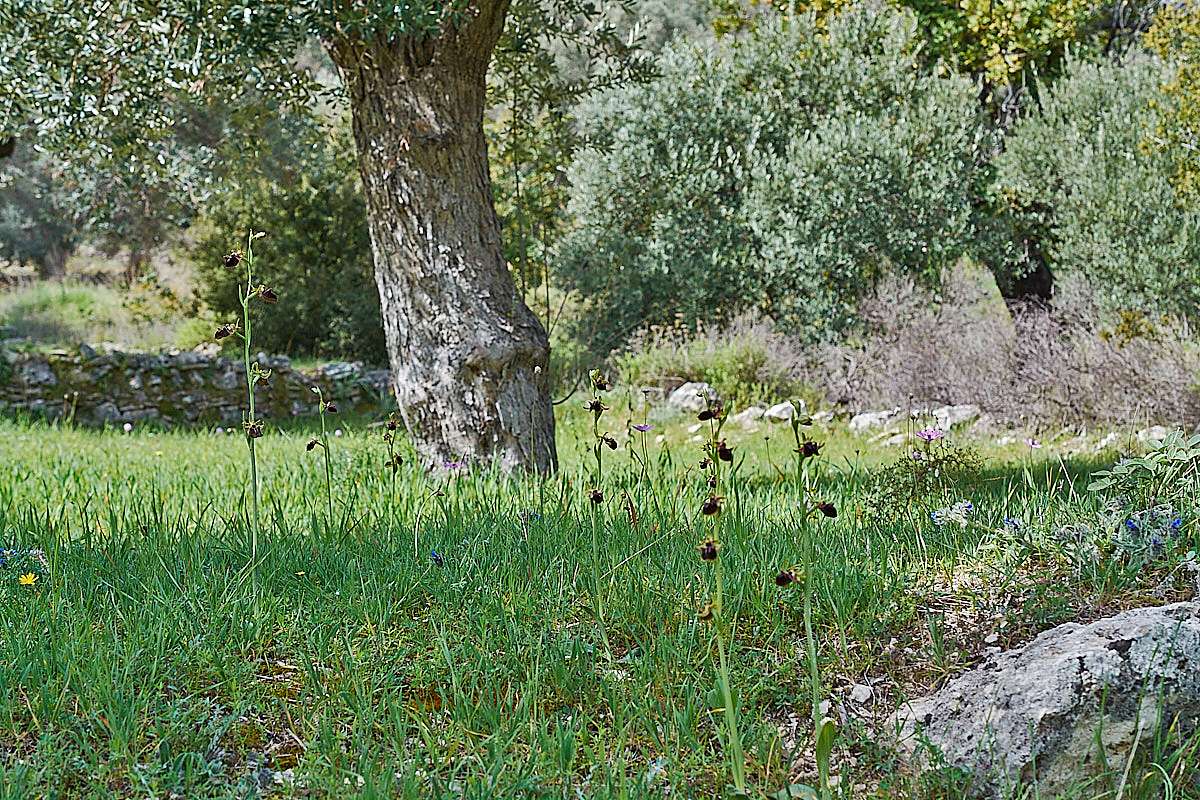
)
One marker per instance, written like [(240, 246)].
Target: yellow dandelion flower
[(28, 579)]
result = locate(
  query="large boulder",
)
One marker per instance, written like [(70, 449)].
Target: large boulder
[(690, 397), (1041, 713)]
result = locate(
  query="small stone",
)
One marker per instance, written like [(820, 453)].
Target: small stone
[(690, 397), (748, 416), (869, 420), (948, 417), (780, 412), (861, 693)]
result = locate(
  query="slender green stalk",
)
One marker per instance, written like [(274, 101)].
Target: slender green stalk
[(737, 759), (322, 406), (251, 379)]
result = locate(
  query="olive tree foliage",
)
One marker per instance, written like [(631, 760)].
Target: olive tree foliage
[(1084, 176), (782, 170)]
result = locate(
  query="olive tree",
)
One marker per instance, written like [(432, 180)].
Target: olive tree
[(468, 356)]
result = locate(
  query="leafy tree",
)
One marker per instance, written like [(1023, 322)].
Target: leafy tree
[(780, 171), (304, 190), (468, 356), (1085, 181), (1176, 36), (37, 223)]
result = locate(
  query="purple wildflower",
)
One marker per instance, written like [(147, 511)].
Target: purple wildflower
[(930, 434), (642, 427)]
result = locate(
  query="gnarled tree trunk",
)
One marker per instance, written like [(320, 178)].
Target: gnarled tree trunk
[(469, 358)]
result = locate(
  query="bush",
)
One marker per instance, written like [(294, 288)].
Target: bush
[(776, 172), (746, 362), (316, 255), (1085, 181), (1070, 362)]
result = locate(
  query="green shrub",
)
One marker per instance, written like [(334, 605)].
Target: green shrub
[(778, 172), (1085, 181), (316, 254), (746, 362)]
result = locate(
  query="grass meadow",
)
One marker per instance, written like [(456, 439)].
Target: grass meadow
[(439, 634)]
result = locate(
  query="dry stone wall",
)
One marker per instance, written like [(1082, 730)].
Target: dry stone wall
[(98, 387)]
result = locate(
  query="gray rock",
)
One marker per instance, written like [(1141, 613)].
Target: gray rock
[(870, 420), (690, 397), (781, 412), (948, 417), (1038, 713), (1155, 433), (36, 372), (748, 416)]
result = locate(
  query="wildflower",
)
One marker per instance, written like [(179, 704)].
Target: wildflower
[(1131, 525), (254, 429), (268, 296), (828, 509), (4, 554), (724, 452), (809, 448), (127, 427), (437, 558), (391, 424), (712, 412), (28, 579), (706, 612), (600, 382), (453, 465), (711, 506), (337, 432), (219, 430), (609, 442), (1033, 444), (330, 407), (232, 259), (596, 406), (596, 496), (225, 331), (1012, 523), (1177, 523), (705, 463), (955, 513), (931, 434), (39, 555), (786, 577), (709, 549), (394, 462), (312, 443), (642, 427)]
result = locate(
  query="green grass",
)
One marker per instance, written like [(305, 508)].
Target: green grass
[(60, 314), (152, 660)]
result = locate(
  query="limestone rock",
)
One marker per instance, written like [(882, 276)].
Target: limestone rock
[(948, 417), (870, 420), (1034, 714), (781, 412), (748, 416), (690, 397)]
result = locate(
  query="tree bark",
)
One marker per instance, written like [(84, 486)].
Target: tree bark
[(469, 359)]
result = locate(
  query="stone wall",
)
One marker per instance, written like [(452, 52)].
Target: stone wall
[(173, 388)]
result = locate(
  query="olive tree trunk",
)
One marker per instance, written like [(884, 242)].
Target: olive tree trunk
[(469, 359)]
